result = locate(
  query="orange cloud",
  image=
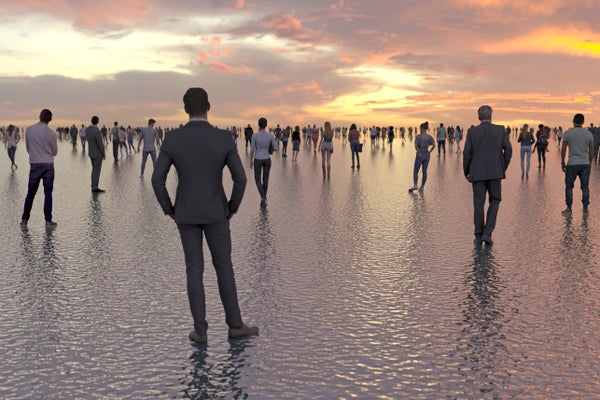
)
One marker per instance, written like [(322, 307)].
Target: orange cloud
[(222, 68), (552, 40), (312, 88), (535, 8)]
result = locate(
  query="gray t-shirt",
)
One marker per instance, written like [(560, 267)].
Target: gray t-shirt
[(578, 140), (149, 136)]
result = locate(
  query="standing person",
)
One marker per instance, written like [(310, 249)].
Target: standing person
[(526, 140), (82, 137), (596, 135), (285, 137), (354, 139), (123, 140), (390, 136), (114, 137), (104, 132), (95, 152), (441, 139), (199, 153), (42, 145), (458, 136), (11, 139), (326, 149), (424, 144), (559, 135), (149, 136), (580, 143), (295, 143), (263, 145), (541, 144), (73, 133), (130, 134), (248, 132), (486, 157), (314, 135)]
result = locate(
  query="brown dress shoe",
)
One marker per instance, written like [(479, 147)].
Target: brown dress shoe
[(195, 337), (245, 330)]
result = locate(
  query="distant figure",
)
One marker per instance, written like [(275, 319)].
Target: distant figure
[(580, 143), (354, 139), (95, 152), (486, 157), (263, 145), (458, 137), (441, 139), (149, 136), (114, 137), (390, 136), (248, 132), (326, 148), (596, 134), (526, 139), (199, 153), (295, 143), (424, 144), (42, 145), (104, 132), (285, 137), (11, 139), (541, 145), (82, 137), (73, 133), (314, 135)]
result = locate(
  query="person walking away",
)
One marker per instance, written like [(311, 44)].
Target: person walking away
[(541, 144), (424, 145), (263, 145), (149, 136), (441, 139), (526, 139), (326, 149), (580, 145), (82, 137), (354, 139), (248, 132), (199, 153), (73, 132), (295, 143), (42, 145), (10, 140), (458, 136), (486, 157), (96, 153)]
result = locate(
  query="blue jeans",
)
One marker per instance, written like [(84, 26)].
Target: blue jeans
[(354, 148), (37, 173), (583, 172), (420, 161), (145, 156), (525, 151)]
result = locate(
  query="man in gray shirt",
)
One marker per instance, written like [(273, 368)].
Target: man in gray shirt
[(580, 143), (149, 136)]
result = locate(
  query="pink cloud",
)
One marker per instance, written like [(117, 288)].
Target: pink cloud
[(222, 68), (310, 88)]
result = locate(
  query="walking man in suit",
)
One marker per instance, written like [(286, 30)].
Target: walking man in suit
[(200, 152), (486, 157), (95, 152)]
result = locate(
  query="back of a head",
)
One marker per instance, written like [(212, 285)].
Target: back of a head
[(484, 113), (262, 122), (45, 116), (95, 120), (195, 101), (578, 119), (353, 127)]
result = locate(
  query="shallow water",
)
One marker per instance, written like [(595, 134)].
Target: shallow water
[(360, 289)]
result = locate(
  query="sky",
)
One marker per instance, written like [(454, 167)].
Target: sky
[(369, 62)]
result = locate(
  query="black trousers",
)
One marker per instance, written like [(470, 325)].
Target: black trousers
[(485, 225), (96, 168), (218, 238), (261, 176)]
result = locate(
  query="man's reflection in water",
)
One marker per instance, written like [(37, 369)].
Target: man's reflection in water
[(221, 377)]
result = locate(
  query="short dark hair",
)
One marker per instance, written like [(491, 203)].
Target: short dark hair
[(95, 120), (262, 122), (45, 115), (578, 119), (195, 101), (484, 113), (151, 121)]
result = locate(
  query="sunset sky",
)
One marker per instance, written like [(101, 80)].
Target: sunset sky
[(301, 62)]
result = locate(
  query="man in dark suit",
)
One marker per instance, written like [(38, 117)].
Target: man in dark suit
[(199, 153), (95, 152), (486, 157)]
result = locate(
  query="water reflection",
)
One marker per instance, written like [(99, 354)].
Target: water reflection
[(482, 342), (220, 378)]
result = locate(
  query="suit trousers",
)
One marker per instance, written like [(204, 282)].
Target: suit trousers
[(96, 168), (218, 238), (493, 187), (261, 175)]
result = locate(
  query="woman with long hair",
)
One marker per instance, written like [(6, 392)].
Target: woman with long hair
[(326, 148), (526, 140), (354, 139)]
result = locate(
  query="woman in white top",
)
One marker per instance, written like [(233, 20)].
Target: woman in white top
[(11, 139)]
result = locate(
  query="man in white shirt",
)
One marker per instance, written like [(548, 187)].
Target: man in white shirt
[(149, 136)]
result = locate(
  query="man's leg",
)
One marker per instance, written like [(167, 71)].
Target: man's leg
[(265, 174), (479, 192), (144, 157), (584, 179), (425, 163), (35, 176), (494, 188), (191, 240), (153, 157), (570, 176), (258, 165), (48, 179), (218, 238)]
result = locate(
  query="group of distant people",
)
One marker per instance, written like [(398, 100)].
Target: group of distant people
[(199, 152)]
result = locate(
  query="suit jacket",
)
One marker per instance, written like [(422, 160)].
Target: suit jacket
[(95, 143), (487, 152), (199, 153)]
